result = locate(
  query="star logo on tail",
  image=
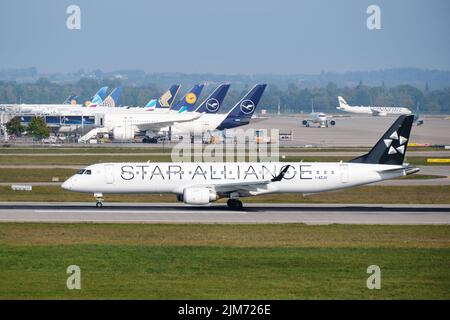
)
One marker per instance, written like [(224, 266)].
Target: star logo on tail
[(401, 143)]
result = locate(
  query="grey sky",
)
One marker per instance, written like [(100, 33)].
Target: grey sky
[(226, 36)]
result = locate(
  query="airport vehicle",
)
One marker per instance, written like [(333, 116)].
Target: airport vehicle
[(417, 119), (374, 111), (319, 118), (203, 183)]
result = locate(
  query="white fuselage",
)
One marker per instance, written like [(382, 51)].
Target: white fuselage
[(206, 122), (381, 111), (302, 177), (66, 109), (318, 117), (145, 120)]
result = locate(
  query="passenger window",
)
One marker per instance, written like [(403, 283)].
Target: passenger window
[(88, 172)]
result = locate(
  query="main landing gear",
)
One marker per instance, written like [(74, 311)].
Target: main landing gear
[(99, 198), (234, 204)]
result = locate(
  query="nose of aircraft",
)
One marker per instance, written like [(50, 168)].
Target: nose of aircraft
[(68, 184)]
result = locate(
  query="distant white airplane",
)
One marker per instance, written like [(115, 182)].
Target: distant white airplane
[(203, 183), (375, 111), (319, 118)]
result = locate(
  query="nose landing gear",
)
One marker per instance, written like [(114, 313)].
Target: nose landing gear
[(99, 198)]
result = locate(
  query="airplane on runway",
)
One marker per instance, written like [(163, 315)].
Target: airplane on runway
[(374, 111), (203, 183), (319, 118)]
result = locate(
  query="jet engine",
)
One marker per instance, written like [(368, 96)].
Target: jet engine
[(198, 196), (123, 133), (304, 122), (332, 122)]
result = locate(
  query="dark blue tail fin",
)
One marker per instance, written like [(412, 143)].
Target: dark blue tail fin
[(190, 98), (242, 112), (214, 100)]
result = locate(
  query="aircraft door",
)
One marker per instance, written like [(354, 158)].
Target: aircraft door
[(109, 173), (343, 168)]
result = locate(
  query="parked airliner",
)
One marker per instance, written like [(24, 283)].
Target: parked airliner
[(238, 116), (203, 183)]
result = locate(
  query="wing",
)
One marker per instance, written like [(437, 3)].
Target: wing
[(245, 186), (377, 112), (156, 126)]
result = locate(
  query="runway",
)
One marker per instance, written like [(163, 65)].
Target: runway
[(219, 213)]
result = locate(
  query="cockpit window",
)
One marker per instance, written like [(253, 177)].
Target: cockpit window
[(81, 171), (88, 172)]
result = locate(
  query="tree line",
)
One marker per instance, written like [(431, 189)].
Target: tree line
[(293, 99)]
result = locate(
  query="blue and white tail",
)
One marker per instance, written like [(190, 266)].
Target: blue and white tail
[(214, 101), (97, 99), (243, 111), (113, 99), (189, 100)]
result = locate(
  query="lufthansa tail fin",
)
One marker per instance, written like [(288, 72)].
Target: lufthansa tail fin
[(242, 112), (190, 98), (71, 100), (391, 148), (214, 101)]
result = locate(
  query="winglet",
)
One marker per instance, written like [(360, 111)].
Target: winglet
[(282, 173)]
